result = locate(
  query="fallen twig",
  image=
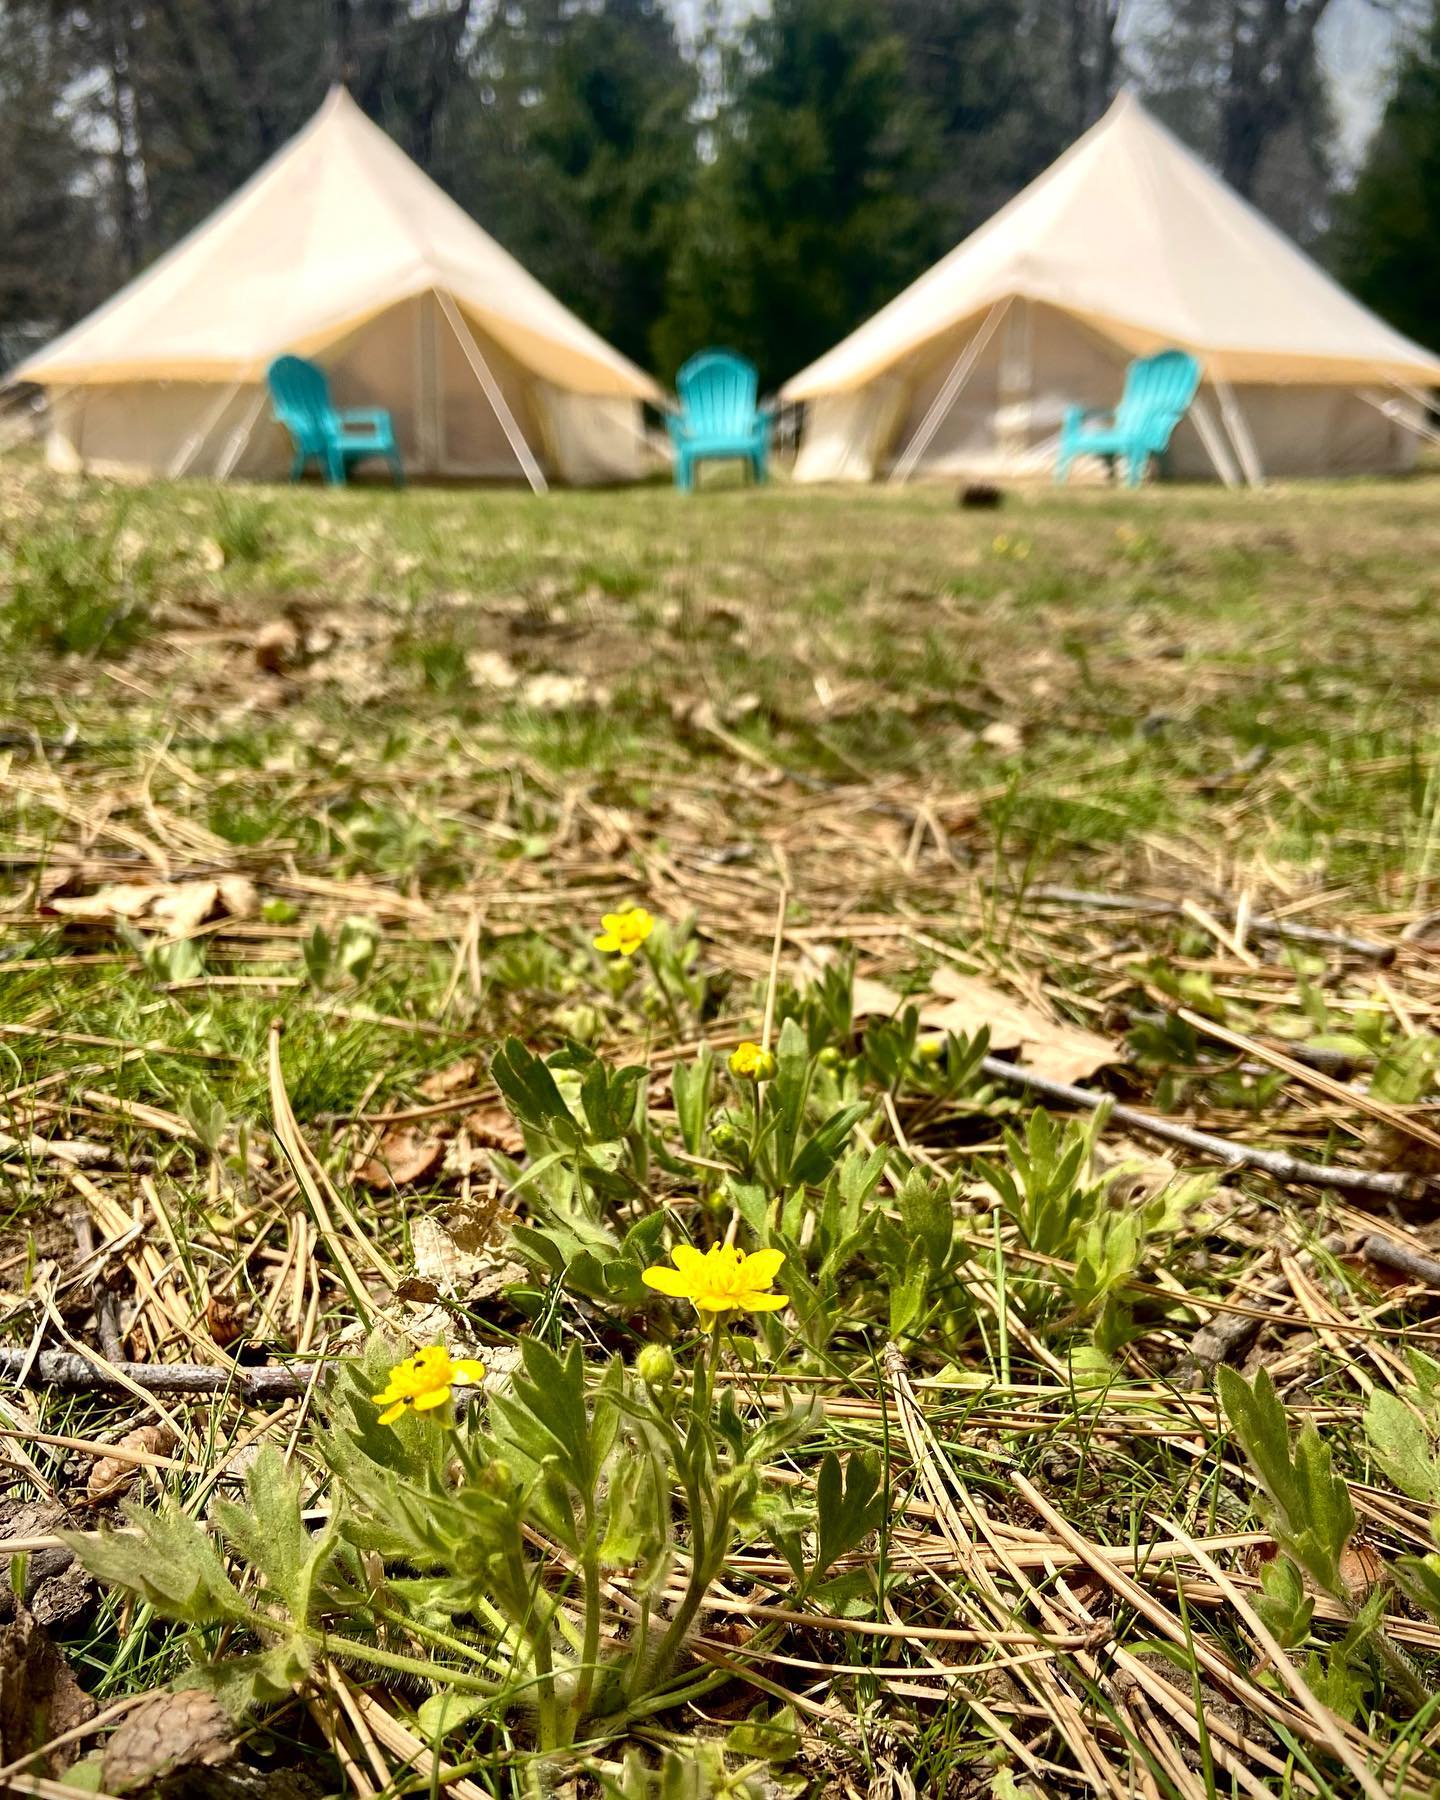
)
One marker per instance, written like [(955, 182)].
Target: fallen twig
[(1278, 1164), (1258, 923), (59, 1369)]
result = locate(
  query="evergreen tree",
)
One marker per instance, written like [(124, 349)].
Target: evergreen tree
[(1390, 228), (993, 76), (811, 214), (55, 259), (574, 145)]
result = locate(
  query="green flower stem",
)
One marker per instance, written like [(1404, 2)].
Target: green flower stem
[(431, 1635), (548, 1723), (590, 1647), (375, 1657), (653, 963)]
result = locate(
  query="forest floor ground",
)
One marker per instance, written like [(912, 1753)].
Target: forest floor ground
[(311, 800)]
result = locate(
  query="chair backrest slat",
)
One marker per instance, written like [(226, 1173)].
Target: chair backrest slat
[(301, 394), (717, 392), (1158, 389)]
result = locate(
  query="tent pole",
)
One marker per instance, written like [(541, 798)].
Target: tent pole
[(239, 438), (1417, 422), (534, 474), (960, 372), (190, 447), (1215, 446), (1239, 433)]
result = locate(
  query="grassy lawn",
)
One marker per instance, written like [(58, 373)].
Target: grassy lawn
[(312, 805)]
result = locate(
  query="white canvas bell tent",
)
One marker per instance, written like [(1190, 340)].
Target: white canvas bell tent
[(342, 250), (1127, 245)]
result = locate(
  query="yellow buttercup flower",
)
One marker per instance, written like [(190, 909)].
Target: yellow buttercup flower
[(724, 1279), (624, 932), (751, 1063), (423, 1381)]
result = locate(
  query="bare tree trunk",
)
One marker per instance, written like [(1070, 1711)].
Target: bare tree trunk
[(125, 161), (1271, 49)]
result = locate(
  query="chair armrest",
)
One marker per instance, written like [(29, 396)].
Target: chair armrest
[(369, 418)]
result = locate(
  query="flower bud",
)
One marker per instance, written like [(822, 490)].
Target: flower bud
[(748, 1062), (728, 1138), (655, 1366), (497, 1479), (829, 1057)]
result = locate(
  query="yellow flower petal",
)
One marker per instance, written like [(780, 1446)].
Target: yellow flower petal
[(687, 1257), (391, 1414), (667, 1281), (467, 1371), (761, 1267), (428, 1401), (764, 1302)]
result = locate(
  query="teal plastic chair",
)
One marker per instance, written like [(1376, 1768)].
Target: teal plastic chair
[(301, 396), (718, 416), (1158, 392)]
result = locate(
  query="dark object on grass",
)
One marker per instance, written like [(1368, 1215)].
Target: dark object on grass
[(979, 496)]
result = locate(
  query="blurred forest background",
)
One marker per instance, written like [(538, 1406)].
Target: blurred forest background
[(703, 172)]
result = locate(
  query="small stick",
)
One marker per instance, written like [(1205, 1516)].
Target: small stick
[(60, 1369), (1403, 1261), (103, 1300), (1257, 923), (1278, 1164)]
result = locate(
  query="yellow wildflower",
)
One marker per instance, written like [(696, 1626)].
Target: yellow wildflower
[(424, 1381), (751, 1063), (724, 1279), (624, 932)]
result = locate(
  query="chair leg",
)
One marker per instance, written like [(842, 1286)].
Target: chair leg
[(335, 468), (1135, 473), (397, 468), (1062, 468), (684, 473), (757, 463)]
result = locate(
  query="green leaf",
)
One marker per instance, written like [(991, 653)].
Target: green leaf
[(169, 1561), (819, 1153), (355, 948), (532, 1093), (271, 1534), (447, 1711), (1403, 1447), (1283, 1604), (1312, 1516), (771, 1737), (847, 1509), (909, 1291)]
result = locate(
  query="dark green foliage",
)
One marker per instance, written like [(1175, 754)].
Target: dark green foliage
[(1391, 224), (813, 211), (574, 145)]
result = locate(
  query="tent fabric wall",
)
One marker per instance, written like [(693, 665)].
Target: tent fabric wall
[(1304, 429), (1127, 245), (407, 360), (341, 249)]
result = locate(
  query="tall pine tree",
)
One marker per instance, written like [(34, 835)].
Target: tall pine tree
[(574, 145), (1390, 227), (811, 213)]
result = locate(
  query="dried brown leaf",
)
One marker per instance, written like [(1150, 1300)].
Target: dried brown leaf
[(402, 1157)]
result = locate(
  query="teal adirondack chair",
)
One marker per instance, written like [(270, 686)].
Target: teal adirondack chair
[(718, 416), (301, 396), (1158, 392)]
